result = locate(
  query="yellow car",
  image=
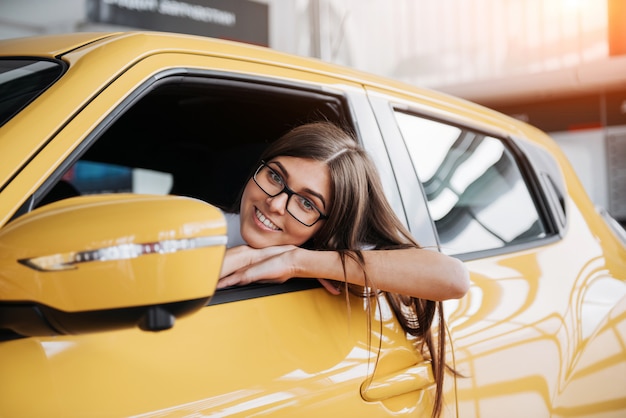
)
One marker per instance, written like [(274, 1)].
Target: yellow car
[(108, 272)]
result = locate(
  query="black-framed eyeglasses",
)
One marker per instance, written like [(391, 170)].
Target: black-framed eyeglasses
[(300, 207)]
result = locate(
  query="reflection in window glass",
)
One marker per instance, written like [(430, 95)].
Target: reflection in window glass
[(476, 194), (89, 177)]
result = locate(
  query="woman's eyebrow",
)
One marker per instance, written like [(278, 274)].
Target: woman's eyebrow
[(319, 196), (282, 169), (285, 174)]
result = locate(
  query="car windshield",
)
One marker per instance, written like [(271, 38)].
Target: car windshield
[(23, 79)]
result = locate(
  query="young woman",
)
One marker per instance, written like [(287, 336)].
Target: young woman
[(315, 208)]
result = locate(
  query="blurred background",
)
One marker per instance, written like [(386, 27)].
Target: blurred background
[(557, 64)]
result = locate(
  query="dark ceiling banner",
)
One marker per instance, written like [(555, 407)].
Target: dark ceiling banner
[(241, 20)]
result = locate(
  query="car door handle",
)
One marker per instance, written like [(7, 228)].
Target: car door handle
[(417, 377)]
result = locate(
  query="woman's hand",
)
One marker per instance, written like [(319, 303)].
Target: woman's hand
[(244, 265)]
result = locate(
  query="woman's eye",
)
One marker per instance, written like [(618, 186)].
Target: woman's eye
[(306, 204), (275, 177)]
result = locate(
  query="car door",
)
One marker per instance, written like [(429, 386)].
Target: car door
[(543, 288), (265, 349)]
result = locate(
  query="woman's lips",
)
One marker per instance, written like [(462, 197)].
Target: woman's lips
[(265, 221)]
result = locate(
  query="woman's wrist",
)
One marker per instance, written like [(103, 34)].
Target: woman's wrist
[(299, 262), (315, 264)]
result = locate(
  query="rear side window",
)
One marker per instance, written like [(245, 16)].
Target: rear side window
[(21, 80), (475, 190)]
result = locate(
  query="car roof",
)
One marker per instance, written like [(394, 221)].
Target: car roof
[(49, 46), (141, 43), (136, 44)]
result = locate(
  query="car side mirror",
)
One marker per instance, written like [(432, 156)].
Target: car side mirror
[(105, 262)]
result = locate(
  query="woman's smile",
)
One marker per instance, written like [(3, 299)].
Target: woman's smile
[(265, 220)]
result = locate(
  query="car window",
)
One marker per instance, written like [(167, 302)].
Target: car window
[(476, 193), (193, 136), (196, 138), (21, 80)]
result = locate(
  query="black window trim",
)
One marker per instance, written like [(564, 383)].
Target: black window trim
[(548, 174)]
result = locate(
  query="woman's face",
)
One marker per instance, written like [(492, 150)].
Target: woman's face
[(265, 220)]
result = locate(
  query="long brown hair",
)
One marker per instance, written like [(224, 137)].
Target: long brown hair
[(360, 216)]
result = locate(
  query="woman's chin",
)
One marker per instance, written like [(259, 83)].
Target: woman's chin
[(256, 239)]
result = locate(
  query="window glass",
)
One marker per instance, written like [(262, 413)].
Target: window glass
[(476, 194), (195, 138), (21, 80), (89, 177)]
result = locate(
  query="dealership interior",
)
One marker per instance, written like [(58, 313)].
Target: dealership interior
[(558, 64)]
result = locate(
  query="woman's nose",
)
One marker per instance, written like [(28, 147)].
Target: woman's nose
[(278, 203)]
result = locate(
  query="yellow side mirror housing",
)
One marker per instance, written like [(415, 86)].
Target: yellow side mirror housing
[(109, 261)]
